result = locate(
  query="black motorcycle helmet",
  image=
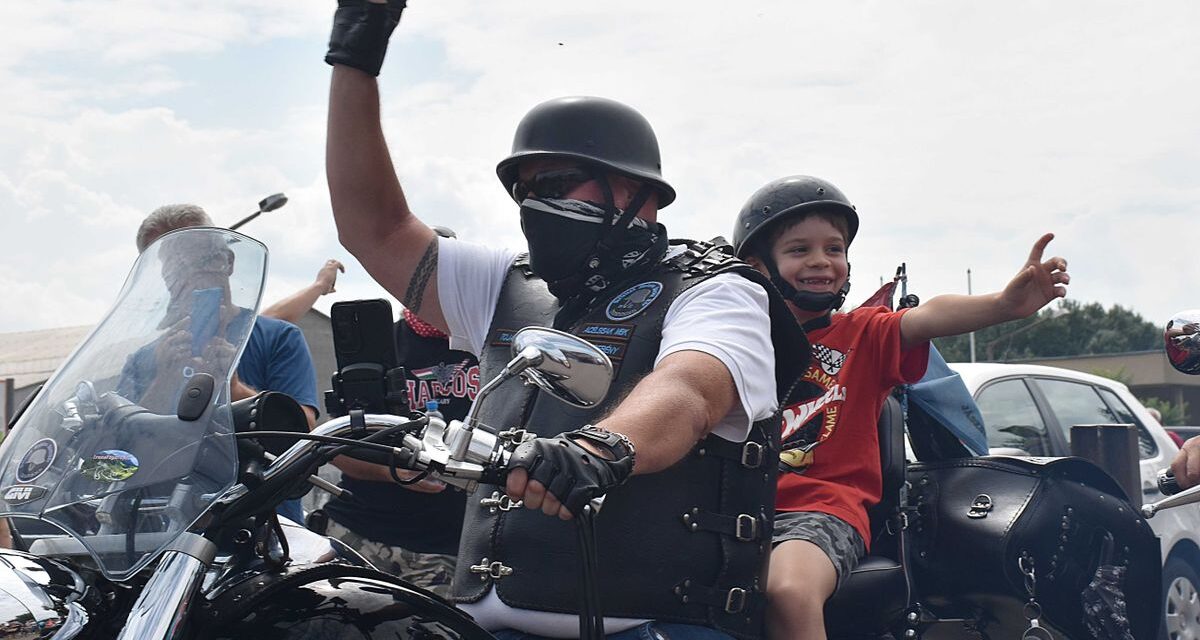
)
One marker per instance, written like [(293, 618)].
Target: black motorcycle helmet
[(784, 198), (598, 131)]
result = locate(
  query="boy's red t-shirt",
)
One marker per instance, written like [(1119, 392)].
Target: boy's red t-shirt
[(830, 457)]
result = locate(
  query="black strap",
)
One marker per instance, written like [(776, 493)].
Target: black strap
[(749, 454), (744, 527), (730, 600)]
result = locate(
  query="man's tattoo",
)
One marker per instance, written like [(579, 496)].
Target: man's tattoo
[(420, 278)]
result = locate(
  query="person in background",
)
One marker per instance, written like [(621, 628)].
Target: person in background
[(293, 307), (411, 530), (276, 358)]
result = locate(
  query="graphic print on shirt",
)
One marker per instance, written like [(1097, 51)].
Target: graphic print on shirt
[(442, 382), (808, 423)]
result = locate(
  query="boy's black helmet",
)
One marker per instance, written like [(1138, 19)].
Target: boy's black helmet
[(598, 131), (783, 198)]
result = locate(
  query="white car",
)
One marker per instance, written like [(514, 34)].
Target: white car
[(1029, 409)]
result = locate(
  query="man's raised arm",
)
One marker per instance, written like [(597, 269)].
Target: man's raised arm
[(372, 216)]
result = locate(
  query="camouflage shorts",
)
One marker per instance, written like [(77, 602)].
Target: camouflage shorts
[(840, 541), (432, 571)]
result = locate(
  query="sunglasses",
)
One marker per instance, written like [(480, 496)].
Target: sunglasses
[(556, 183)]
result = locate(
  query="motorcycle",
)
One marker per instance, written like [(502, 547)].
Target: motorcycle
[(994, 547), (161, 490)]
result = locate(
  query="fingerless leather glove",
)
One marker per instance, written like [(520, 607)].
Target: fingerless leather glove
[(360, 33), (570, 472)]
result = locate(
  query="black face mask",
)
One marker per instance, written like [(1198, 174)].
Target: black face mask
[(575, 248)]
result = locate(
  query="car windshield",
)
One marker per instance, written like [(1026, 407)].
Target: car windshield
[(130, 441)]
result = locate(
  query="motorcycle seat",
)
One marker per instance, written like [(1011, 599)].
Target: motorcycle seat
[(876, 593)]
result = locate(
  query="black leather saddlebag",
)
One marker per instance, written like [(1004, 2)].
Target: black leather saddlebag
[(990, 530)]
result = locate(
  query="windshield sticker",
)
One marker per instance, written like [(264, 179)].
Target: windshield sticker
[(36, 460), (22, 493), (633, 301), (112, 465)]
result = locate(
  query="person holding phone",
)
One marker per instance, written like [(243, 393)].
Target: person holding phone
[(276, 358)]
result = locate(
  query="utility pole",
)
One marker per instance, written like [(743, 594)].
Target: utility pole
[(971, 337)]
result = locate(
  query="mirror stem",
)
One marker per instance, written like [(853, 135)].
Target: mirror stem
[(234, 226), (529, 357)]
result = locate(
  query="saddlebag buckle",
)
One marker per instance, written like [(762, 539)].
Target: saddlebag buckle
[(980, 507)]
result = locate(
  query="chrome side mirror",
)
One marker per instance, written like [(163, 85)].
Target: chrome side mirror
[(567, 367), (570, 368), (1182, 340)]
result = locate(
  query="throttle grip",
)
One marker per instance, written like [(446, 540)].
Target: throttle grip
[(1167, 484)]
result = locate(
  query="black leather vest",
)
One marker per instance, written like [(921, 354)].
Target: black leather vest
[(689, 544)]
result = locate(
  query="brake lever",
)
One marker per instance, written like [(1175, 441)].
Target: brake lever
[(315, 480)]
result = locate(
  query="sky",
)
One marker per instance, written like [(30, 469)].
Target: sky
[(961, 131)]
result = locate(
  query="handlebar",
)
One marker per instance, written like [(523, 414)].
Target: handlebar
[(1167, 485), (456, 454)]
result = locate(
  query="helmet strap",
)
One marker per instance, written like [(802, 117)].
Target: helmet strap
[(807, 300), (617, 229)]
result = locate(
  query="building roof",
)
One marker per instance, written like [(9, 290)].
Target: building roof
[(29, 357)]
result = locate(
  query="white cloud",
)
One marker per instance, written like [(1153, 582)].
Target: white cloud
[(961, 131)]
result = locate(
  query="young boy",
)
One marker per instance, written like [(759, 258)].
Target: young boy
[(797, 231)]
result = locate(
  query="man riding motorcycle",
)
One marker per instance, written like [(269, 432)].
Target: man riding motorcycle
[(685, 528)]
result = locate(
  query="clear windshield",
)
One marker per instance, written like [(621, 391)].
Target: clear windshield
[(123, 448)]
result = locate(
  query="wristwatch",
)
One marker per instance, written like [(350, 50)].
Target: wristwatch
[(618, 445)]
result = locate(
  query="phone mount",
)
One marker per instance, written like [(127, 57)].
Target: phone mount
[(370, 387)]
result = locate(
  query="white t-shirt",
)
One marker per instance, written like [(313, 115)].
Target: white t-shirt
[(724, 316)]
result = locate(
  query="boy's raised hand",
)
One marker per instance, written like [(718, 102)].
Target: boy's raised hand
[(1038, 283)]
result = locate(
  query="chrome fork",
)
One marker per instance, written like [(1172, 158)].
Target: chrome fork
[(163, 605)]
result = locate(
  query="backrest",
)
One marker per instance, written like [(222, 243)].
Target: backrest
[(892, 464)]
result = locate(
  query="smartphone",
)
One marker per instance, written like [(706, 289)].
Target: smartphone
[(363, 333), (205, 317)]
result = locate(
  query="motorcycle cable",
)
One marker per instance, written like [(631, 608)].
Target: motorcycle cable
[(591, 618), (394, 463), (378, 436), (346, 442)]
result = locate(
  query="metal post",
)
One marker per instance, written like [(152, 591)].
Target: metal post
[(971, 337), (1113, 448)]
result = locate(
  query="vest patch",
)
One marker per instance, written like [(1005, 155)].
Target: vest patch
[(612, 339), (633, 301), (501, 337)]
